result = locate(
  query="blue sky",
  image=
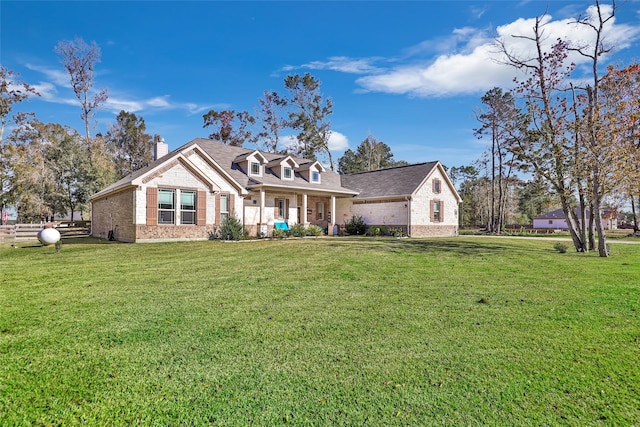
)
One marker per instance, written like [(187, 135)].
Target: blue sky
[(409, 73)]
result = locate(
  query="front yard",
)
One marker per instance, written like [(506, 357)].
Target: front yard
[(344, 331)]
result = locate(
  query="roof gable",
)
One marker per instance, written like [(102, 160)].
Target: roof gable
[(400, 181)]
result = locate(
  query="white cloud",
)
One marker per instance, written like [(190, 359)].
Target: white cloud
[(338, 141), (342, 64), (59, 77), (474, 64), (116, 105)]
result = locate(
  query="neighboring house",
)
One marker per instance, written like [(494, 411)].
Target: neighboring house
[(557, 220), (188, 192)]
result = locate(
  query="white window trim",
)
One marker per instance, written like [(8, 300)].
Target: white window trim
[(195, 206), (174, 222), (284, 176), (251, 172)]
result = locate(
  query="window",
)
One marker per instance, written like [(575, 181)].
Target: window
[(437, 217), (315, 176), (224, 207), (188, 207), (320, 211), (255, 168), (166, 206), (436, 186), (280, 203), (287, 172)]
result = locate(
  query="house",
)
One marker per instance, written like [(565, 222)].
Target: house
[(420, 199), (188, 192), (557, 220)]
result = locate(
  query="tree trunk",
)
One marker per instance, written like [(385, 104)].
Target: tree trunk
[(635, 215)]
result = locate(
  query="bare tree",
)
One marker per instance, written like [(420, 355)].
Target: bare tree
[(544, 150), (597, 146), (79, 59), (271, 120)]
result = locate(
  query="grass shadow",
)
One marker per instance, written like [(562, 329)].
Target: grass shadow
[(437, 245)]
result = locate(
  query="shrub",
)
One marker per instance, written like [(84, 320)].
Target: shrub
[(355, 225), (279, 233), (314, 230), (560, 247), (232, 229), (298, 230), (396, 232)]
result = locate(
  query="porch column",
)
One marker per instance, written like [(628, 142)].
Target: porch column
[(262, 203), (333, 216), (304, 210)]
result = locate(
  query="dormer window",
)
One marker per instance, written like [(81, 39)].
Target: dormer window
[(255, 168), (287, 172), (315, 176)]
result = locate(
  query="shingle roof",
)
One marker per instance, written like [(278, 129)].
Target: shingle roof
[(225, 156), (397, 181)]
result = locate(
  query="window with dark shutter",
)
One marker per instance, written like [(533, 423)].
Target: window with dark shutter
[(201, 208), (152, 206), (437, 186)]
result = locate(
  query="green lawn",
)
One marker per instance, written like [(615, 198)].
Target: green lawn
[(340, 331)]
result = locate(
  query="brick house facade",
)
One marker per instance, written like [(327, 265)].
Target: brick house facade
[(188, 192)]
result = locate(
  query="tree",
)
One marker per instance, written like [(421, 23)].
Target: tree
[(598, 149), (533, 200), (370, 155), (79, 59), (309, 116), (271, 120), (547, 150), (69, 164), (230, 127), (31, 182), (12, 91), (128, 144), (620, 108), (502, 122)]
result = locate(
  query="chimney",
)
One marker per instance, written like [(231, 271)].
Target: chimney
[(160, 149)]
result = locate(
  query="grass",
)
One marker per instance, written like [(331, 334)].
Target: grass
[(340, 331)]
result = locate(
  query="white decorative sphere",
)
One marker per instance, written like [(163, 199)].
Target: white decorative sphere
[(48, 236)]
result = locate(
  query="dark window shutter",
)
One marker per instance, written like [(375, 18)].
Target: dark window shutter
[(286, 209), (152, 206), (218, 209), (433, 216), (275, 208), (201, 208), (232, 201), (441, 211)]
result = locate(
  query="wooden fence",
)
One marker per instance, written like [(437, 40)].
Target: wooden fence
[(29, 232)]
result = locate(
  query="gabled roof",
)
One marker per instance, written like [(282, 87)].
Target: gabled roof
[(313, 164), (224, 158), (391, 182), (255, 153), (282, 160)]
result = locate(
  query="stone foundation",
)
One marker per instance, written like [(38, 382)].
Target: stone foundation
[(173, 232), (434, 230)]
